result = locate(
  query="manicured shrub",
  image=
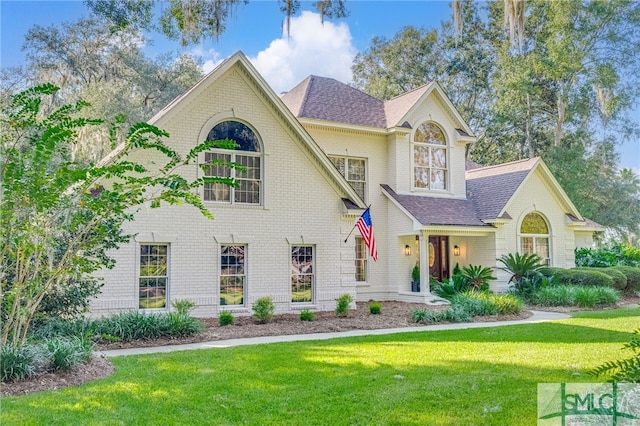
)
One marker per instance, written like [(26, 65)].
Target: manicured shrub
[(182, 325), (263, 309), (583, 276), (375, 308), (225, 318), (134, 325), (307, 315), (619, 279), (633, 277), (342, 305)]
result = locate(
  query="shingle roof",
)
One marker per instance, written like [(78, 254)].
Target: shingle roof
[(438, 211), (328, 99), (492, 187), (489, 189), (323, 98)]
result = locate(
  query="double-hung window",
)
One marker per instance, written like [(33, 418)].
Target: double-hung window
[(361, 260), (354, 171), (233, 275), (302, 274), (153, 276), (429, 158), (242, 164)]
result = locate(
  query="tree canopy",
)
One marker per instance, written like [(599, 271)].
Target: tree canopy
[(535, 78)]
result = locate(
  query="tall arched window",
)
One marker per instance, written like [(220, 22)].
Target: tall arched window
[(247, 154), (429, 158), (534, 236)]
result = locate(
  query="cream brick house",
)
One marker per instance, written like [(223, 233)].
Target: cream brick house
[(314, 159)]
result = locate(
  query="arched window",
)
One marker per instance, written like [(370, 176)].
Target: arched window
[(429, 158), (247, 154), (534, 236)]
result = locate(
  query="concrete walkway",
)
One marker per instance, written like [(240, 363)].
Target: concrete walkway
[(538, 316)]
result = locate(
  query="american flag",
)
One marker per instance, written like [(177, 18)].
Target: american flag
[(365, 226)]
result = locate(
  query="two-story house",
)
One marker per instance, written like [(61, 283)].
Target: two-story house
[(313, 160)]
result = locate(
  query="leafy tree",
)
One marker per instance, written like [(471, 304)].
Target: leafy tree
[(192, 20), (107, 68), (59, 218), (623, 370)]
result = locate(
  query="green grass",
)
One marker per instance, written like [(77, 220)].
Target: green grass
[(478, 376)]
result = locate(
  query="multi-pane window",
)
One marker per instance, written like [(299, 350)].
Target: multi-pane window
[(153, 276), (429, 158), (302, 274), (354, 171), (247, 158), (534, 237), (232, 275), (361, 260)]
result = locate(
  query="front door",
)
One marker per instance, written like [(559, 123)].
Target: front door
[(439, 257)]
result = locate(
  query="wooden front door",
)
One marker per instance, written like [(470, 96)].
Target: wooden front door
[(439, 257)]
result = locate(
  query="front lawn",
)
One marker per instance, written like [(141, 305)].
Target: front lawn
[(476, 376)]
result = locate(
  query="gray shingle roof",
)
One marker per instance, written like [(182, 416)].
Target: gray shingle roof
[(438, 211), (489, 189), (323, 98), (327, 99)]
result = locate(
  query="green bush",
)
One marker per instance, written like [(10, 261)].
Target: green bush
[(452, 286), (375, 308), (583, 276), (478, 276), (263, 309), (613, 255), (619, 279), (342, 305), (133, 325), (633, 277), (70, 300), (307, 315), (482, 304), (65, 353), (183, 306), (21, 361), (225, 318), (573, 295)]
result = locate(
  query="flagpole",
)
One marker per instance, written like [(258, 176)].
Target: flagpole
[(354, 225)]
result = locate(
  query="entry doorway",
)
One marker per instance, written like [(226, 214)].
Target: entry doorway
[(439, 257)]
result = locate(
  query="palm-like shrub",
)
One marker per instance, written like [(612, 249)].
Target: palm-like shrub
[(520, 266), (478, 276), (452, 286)]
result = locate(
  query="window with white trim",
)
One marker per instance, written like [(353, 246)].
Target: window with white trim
[(232, 274), (302, 274), (361, 260), (534, 237), (248, 158), (354, 171), (430, 158), (153, 276)]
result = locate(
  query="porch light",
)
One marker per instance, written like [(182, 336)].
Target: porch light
[(407, 250), (456, 251)]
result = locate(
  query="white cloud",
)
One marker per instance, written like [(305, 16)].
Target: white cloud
[(311, 48), (211, 58)]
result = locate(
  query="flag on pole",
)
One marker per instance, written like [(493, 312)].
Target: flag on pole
[(365, 226)]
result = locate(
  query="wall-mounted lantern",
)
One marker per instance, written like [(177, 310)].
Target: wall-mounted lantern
[(456, 251), (407, 250)]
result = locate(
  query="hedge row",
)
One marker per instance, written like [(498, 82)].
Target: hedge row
[(624, 278)]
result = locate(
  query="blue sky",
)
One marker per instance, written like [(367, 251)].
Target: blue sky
[(256, 29)]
